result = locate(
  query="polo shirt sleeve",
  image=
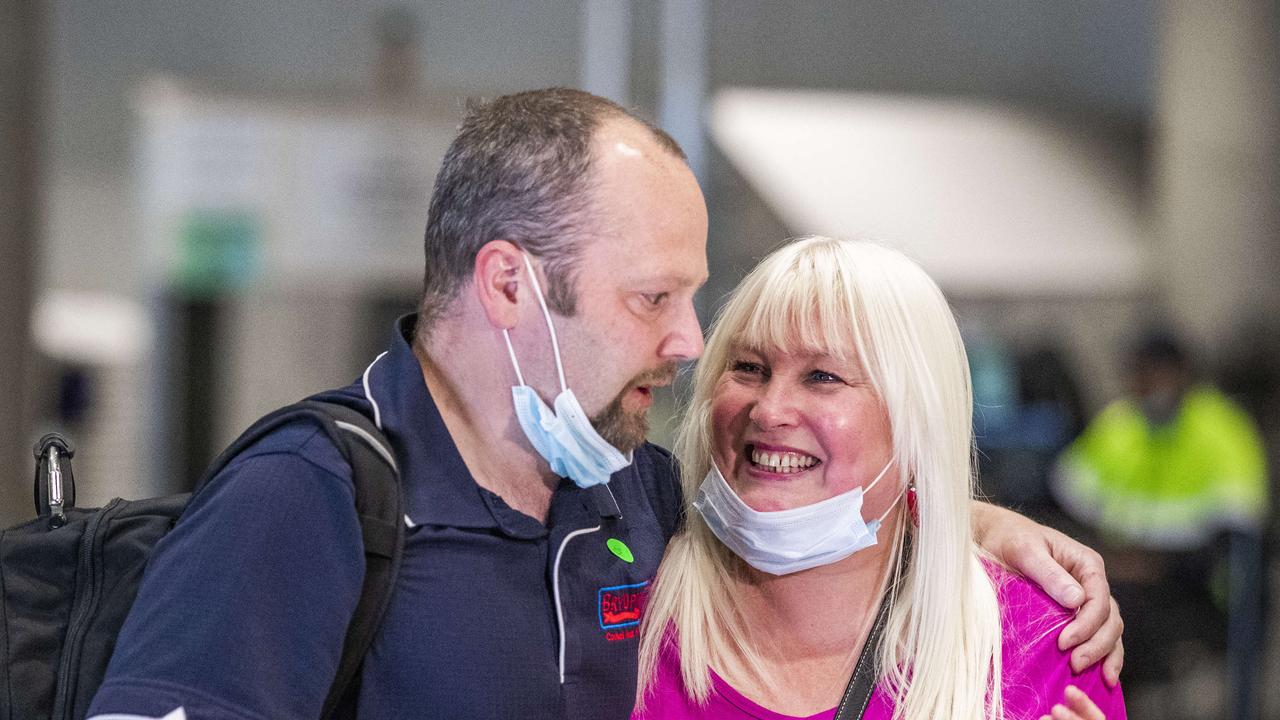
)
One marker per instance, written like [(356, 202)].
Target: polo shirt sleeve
[(245, 603)]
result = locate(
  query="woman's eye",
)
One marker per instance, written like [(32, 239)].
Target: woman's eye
[(746, 366), (822, 376)]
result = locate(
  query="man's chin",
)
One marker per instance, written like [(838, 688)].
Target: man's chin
[(625, 431)]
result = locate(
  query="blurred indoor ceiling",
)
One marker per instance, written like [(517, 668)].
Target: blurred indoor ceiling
[(992, 201)]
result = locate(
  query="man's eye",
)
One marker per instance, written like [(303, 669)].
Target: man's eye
[(655, 299)]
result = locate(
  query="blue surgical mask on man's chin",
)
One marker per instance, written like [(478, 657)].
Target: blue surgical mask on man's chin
[(563, 436)]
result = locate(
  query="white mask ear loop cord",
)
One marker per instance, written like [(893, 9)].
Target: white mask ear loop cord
[(895, 499), (546, 314)]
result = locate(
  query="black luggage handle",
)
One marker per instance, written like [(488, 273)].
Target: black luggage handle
[(55, 485)]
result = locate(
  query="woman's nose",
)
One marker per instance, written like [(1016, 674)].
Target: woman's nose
[(774, 406)]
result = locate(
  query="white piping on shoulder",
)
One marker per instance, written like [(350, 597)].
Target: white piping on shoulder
[(369, 440), (377, 412), (383, 451), (177, 714), (555, 574)]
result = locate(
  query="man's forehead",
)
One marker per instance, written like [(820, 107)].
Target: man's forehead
[(671, 262)]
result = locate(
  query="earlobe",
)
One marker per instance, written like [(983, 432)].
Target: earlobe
[(498, 271)]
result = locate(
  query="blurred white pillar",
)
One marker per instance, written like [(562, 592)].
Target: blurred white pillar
[(1217, 198), (682, 90), (605, 68), (1218, 165), (21, 35)]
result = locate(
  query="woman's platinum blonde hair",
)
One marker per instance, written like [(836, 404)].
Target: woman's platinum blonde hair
[(866, 302)]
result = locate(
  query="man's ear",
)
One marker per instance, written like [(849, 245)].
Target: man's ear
[(499, 273)]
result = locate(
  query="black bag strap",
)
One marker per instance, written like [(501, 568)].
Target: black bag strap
[(857, 695), (379, 505)]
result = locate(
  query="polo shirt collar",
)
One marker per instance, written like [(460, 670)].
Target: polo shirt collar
[(439, 489)]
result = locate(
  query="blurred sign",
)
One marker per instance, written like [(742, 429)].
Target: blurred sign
[(218, 251), (238, 189)]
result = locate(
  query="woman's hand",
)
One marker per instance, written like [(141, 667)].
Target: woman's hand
[(1071, 573), (1075, 706)]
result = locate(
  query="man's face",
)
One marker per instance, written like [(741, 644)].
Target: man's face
[(1158, 387), (643, 258)]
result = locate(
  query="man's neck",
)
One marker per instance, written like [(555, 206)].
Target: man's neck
[(478, 412)]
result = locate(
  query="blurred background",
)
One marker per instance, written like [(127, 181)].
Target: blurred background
[(208, 210)]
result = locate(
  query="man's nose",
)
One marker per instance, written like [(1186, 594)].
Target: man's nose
[(684, 341)]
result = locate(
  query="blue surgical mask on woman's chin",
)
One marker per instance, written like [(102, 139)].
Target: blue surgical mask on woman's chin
[(564, 437), (788, 541)]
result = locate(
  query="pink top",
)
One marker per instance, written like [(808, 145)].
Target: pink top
[(1036, 672)]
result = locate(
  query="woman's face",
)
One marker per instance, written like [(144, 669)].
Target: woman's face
[(792, 430)]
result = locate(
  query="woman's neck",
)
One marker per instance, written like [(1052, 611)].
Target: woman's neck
[(810, 627), (821, 610)]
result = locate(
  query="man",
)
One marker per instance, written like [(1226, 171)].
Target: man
[(1173, 478), (1171, 465), (564, 243)]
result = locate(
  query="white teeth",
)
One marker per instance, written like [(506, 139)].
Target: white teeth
[(782, 462)]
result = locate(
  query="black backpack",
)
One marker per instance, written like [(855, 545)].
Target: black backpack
[(69, 577)]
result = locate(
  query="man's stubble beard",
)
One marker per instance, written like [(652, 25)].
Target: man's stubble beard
[(628, 430)]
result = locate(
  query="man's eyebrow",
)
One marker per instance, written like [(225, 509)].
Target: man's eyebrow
[(677, 279)]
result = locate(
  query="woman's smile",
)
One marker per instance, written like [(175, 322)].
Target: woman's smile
[(777, 460)]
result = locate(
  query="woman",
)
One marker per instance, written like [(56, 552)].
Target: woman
[(833, 394)]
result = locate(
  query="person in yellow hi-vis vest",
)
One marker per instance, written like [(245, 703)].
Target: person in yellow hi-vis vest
[(1173, 479), (1170, 467)]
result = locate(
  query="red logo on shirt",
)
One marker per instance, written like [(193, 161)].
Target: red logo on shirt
[(621, 607)]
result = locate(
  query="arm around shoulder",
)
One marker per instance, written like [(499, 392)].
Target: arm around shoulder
[(1036, 671)]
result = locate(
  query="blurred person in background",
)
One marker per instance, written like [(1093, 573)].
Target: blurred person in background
[(1173, 479), (826, 457), (565, 241)]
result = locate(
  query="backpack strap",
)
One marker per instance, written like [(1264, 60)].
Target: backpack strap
[(857, 694), (379, 505)]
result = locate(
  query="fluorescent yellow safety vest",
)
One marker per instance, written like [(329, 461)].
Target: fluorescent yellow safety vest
[(1167, 487)]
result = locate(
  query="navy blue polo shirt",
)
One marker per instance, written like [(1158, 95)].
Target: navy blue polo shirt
[(243, 608)]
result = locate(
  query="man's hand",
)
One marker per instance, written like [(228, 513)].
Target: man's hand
[(1071, 573)]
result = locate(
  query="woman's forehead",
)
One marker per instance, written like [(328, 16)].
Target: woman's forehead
[(838, 354)]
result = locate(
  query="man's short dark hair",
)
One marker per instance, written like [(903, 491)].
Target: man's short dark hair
[(1160, 347), (518, 170)]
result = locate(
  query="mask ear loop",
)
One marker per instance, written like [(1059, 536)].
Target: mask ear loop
[(546, 315), (872, 484), (909, 490), (511, 351)]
